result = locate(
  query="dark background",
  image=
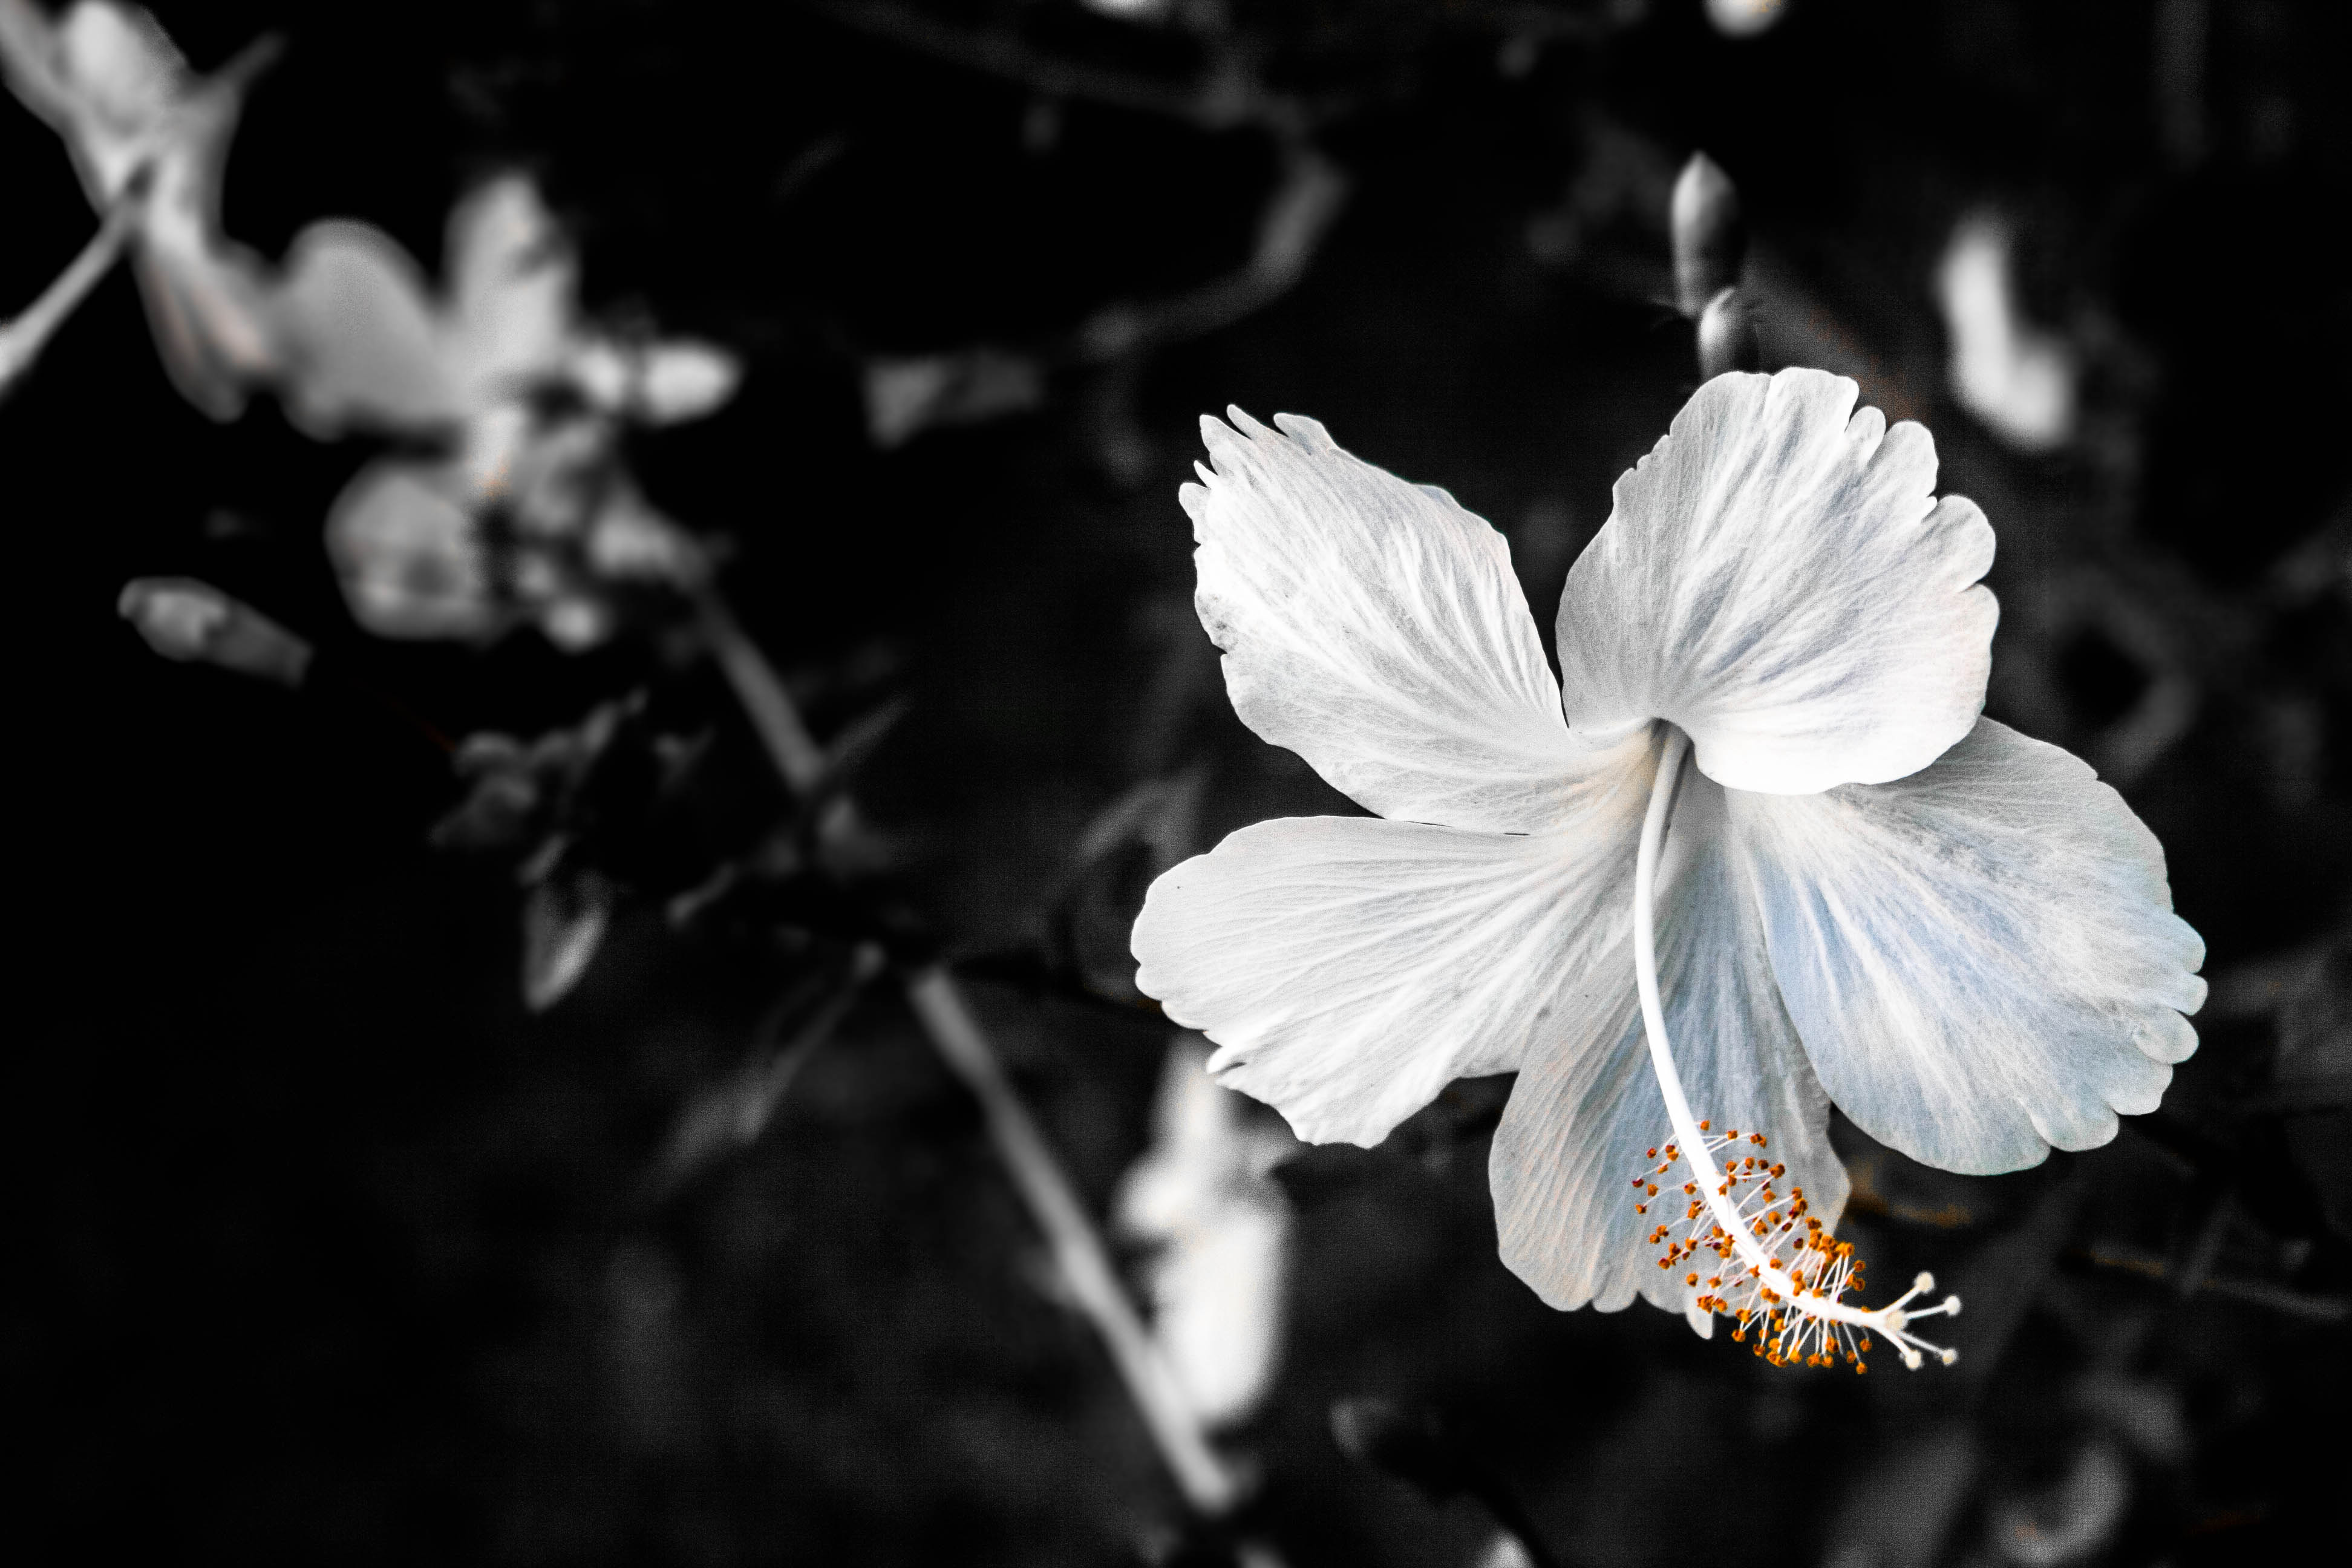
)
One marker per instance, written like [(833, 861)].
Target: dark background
[(325, 1250)]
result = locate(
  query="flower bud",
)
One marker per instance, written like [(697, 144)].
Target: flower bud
[(685, 380), (185, 619), (1710, 238), (1744, 18), (1726, 335), (665, 383)]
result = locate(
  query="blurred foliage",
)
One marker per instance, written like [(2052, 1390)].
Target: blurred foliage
[(333, 1249)]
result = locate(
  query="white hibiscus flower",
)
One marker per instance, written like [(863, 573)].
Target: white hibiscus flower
[(1862, 892)]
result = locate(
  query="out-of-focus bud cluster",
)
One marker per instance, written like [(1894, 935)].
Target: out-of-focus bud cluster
[(518, 508), (185, 619), (1710, 242)]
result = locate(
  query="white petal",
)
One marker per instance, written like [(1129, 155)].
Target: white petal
[(509, 318), (1982, 958), (1350, 968), (124, 79), (363, 338), (1587, 1107), (121, 58), (1375, 629), (1780, 582), (410, 557)]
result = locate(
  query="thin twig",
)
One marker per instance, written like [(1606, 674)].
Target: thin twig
[(796, 754), (1291, 225), (1211, 104), (1079, 1248), (1208, 1484), (21, 339), (2252, 1293)]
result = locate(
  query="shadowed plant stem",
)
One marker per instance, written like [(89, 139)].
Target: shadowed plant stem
[(1083, 1260), (21, 339)]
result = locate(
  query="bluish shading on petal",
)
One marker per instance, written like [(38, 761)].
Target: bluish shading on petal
[(1982, 959), (1349, 968), (1374, 627), (1587, 1108), (1779, 578)]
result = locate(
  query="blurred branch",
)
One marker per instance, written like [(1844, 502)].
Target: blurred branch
[(1417, 1447), (1291, 226), (21, 339), (2153, 1266), (799, 760), (1078, 1250), (906, 396), (1221, 98), (1038, 973)]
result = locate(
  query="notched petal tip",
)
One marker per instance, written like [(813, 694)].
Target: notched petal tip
[(1982, 959), (1779, 578), (1308, 432), (1376, 628)]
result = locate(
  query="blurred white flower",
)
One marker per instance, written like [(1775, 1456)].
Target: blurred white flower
[(410, 557), (183, 618), (142, 127), (1220, 1225), (373, 348), (527, 514), (1870, 892), (1745, 18), (2018, 380)]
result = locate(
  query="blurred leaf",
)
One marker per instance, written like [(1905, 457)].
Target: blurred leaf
[(1898, 1513), (2000, 1279), (1411, 1445), (720, 1118), (563, 923), (2071, 1522), (905, 398)]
